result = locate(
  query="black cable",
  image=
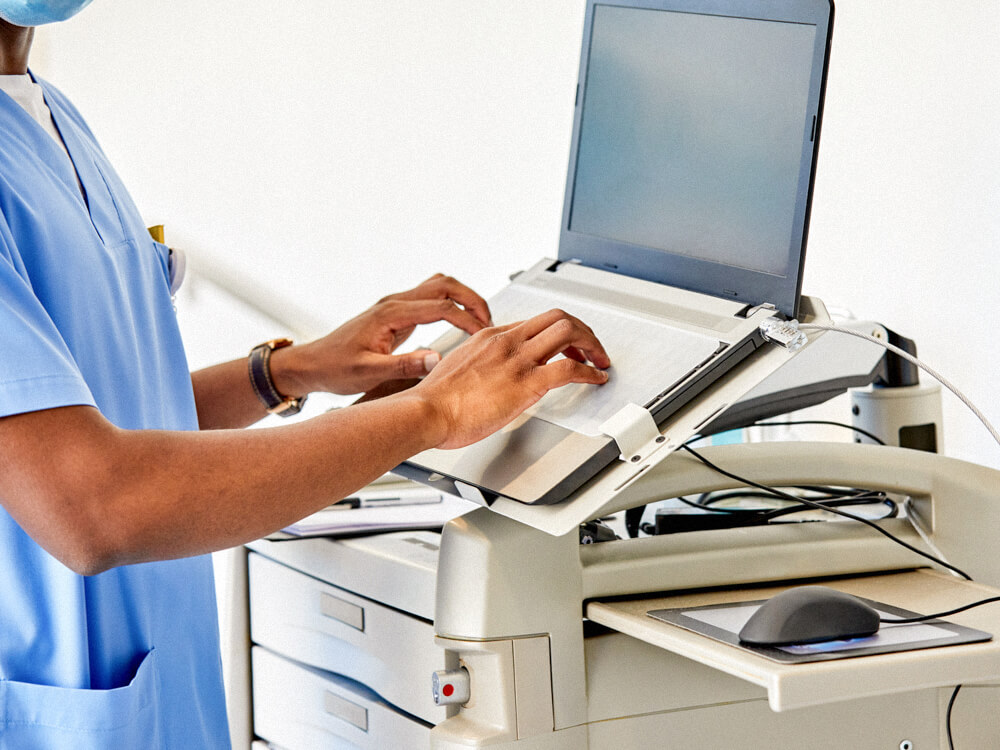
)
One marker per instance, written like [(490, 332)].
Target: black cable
[(633, 520), (633, 516), (846, 426), (766, 514), (830, 504), (763, 515), (845, 514), (822, 494), (938, 615), (708, 500), (710, 509), (951, 705)]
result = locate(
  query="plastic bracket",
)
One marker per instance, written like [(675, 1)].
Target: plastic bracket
[(634, 430)]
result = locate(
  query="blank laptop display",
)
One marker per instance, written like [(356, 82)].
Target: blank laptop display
[(694, 144)]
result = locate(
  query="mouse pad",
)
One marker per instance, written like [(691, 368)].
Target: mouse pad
[(723, 622)]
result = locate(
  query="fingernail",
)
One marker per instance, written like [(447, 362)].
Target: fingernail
[(431, 359)]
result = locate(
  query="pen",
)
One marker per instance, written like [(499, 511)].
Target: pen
[(417, 498), (347, 503), (384, 501)]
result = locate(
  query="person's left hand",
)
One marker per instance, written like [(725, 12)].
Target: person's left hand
[(358, 356)]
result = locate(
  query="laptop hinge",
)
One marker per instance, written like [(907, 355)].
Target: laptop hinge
[(634, 431), (555, 265)]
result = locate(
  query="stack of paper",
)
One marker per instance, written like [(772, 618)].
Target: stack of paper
[(383, 508)]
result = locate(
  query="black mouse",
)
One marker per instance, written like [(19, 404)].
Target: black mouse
[(809, 614)]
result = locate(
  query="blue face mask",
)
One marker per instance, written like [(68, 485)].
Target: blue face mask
[(38, 12)]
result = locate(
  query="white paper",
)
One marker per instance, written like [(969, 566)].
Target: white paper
[(377, 519), (647, 357)]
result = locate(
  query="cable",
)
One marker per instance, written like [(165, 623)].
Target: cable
[(633, 516), (823, 494), (633, 521), (938, 615), (867, 434), (832, 499), (853, 497), (914, 519), (845, 514), (951, 705), (910, 358), (845, 502)]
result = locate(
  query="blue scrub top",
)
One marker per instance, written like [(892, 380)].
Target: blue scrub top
[(128, 658)]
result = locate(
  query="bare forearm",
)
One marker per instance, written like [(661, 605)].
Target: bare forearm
[(225, 398), (235, 486), (135, 496)]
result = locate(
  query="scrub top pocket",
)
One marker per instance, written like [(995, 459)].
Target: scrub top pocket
[(41, 717)]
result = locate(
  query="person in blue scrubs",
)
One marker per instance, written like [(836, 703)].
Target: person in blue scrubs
[(119, 469)]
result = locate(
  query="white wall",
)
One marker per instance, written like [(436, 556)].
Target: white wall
[(334, 151), (906, 217)]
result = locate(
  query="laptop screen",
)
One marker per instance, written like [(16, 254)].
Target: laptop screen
[(694, 144)]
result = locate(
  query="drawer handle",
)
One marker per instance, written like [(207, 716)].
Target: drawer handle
[(344, 710), (345, 612)]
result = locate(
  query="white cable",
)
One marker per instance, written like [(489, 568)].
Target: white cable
[(910, 358), (918, 526)]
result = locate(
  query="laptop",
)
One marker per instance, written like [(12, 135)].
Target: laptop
[(684, 226)]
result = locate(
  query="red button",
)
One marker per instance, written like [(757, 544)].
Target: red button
[(448, 689)]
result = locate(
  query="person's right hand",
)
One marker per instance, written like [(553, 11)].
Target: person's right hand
[(499, 372)]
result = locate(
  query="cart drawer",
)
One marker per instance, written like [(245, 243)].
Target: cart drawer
[(326, 627), (301, 708)]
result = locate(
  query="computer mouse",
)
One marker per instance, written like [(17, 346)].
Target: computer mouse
[(809, 614)]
